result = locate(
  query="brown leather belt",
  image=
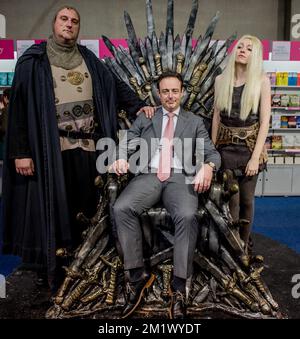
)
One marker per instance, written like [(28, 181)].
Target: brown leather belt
[(79, 135), (238, 135), (241, 136)]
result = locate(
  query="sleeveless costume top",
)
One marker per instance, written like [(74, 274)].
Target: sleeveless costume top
[(236, 155)]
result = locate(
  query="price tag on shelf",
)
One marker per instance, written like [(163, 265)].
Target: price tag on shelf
[(281, 50)]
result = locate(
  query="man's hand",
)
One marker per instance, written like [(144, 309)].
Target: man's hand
[(24, 166), (203, 179), (148, 110), (120, 166)]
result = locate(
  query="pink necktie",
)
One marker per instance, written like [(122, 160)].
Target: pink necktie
[(165, 158)]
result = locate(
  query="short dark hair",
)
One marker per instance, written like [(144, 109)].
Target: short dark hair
[(169, 74), (65, 7), (6, 93)]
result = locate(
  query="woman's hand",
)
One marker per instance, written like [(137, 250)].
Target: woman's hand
[(252, 167)]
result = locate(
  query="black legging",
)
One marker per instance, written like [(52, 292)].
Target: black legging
[(241, 204)]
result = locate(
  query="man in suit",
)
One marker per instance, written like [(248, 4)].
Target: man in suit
[(165, 176)]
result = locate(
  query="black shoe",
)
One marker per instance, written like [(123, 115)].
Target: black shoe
[(135, 292), (178, 306), (41, 280)]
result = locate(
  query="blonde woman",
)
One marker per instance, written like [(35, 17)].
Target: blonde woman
[(241, 122)]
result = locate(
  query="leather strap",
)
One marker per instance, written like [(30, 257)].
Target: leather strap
[(78, 135)]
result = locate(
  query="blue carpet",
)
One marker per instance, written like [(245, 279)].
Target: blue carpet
[(275, 217), (8, 263), (279, 219)]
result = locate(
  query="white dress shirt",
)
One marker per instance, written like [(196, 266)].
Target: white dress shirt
[(176, 163)]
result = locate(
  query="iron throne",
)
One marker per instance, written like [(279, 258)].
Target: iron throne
[(226, 276)]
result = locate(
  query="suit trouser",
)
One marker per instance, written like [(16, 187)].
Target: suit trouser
[(181, 202)]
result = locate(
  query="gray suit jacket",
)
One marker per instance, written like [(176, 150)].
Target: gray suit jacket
[(191, 142)]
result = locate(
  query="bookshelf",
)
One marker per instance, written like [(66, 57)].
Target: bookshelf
[(285, 87), (283, 169)]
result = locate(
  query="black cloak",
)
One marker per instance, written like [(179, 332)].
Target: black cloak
[(34, 206)]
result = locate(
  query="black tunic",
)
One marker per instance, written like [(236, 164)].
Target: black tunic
[(236, 156), (35, 208)]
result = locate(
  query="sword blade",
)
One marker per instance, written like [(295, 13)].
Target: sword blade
[(131, 31), (109, 45), (195, 58), (183, 44), (170, 50), (150, 56), (211, 27), (135, 56), (154, 43), (114, 66), (130, 67), (201, 47), (149, 18), (192, 19), (188, 53), (163, 52), (176, 49), (170, 18)]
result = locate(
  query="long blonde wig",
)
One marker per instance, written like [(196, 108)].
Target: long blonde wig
[(251, 93)]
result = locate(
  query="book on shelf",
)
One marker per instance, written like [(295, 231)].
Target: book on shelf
[(288, 141), (284, 79), (6, 78), (292, 78), (285, 101), (276, 100), (284, 122), (276, 120), (292, 121), (276, 141), (294, 100)]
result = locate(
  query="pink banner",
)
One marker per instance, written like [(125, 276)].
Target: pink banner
[(6, 49), (39, 41), (295, 50), (104, 52), (231, 47), (266, 49)]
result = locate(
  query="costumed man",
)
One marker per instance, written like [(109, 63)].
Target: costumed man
[(63, 100), (174, 138)]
